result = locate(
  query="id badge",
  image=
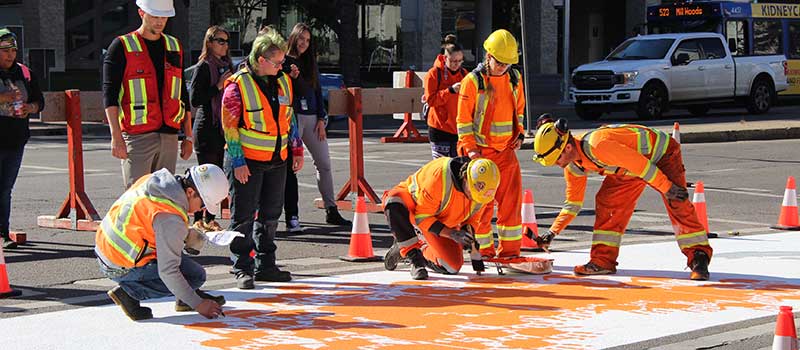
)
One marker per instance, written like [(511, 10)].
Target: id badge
[(303, 104), (284, 100)]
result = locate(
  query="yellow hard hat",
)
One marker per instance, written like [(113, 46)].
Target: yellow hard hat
[(549, 143), (483, 177), (502, 45)]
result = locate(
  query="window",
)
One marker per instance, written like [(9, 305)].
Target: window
[(80, 35), (634, 49), (794, 40), (713, 49), (689, 47), (115, 19), (767, 37), (735, 33)]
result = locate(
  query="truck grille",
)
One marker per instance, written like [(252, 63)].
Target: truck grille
[(594, 80)]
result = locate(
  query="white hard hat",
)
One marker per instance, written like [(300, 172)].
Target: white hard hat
[(158, 8), (211, 184)]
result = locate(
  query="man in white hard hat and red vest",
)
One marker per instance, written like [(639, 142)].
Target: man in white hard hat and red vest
[(140, 241), (145, 98)]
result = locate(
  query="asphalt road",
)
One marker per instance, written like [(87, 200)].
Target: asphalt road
[(56, 270)]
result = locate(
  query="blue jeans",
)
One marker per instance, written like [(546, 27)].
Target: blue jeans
[(143, 282), (10, 161)]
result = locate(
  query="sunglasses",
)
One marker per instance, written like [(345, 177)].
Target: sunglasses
[(220, 41)]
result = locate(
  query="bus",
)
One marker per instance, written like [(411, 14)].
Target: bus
[(751, 29)]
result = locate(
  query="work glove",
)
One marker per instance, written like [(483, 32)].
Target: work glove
[(543, 240), (677, 193), (194, 242), (464, 238)]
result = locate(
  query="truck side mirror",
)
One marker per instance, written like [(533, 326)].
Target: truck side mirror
[(681, 59)]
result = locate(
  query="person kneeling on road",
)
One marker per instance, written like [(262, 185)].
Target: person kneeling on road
[(444, 200), (630, 157), (139, 241)]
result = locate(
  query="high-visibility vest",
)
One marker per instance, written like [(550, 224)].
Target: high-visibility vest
[(454, 207), (259, 132), (126, 238), (499, 126), (138, 112)]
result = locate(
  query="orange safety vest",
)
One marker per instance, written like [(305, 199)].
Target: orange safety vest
[(126, 237), (496, 130), (138, 112), (259, 133), (441, 202)]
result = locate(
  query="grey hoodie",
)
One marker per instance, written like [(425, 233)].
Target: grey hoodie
[(171, 231)]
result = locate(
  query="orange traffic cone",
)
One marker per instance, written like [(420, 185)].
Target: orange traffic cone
[(676, 132), (788, 220), (699, 201), (529, 222), (5, 288), (360, 236), (785, 333)]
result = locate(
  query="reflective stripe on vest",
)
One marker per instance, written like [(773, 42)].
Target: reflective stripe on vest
[(255, 134), (496, 129), (254, 110), (138, 104), (115, 228), (644, 147)]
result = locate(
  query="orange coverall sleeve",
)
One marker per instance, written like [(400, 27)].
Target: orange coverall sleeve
[(434, 96), (616, 154), (466, 110), (574, 194), (520, 107)]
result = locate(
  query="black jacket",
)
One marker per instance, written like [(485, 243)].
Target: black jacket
[(14, 132)]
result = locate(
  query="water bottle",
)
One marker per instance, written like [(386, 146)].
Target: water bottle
[(18, 104)]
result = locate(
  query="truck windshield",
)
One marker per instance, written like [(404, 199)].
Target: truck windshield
[(641, 50)]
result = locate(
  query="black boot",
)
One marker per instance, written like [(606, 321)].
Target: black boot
[(130, 305), (333, 217), (392, 257), (8, 243), (699, 266), (418, 271)]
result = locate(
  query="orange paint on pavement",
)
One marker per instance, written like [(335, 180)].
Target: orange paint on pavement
[(479, 313)]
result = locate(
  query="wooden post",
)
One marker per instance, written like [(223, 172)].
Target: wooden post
[(358, 182), (407, 132), (84, 217)]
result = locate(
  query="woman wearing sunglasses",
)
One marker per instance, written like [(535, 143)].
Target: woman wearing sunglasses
[(301, 65), (206, 95), (441, 95), (260, 131)]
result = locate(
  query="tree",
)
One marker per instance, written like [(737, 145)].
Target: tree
[(344, 23), (244, 9)]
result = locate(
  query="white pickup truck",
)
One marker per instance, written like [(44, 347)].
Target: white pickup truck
[(651, 73)]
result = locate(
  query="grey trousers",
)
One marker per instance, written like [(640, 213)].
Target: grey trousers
[(320, 154), (147, 153)]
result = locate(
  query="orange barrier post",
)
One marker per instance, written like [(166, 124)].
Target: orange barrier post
[(529, 222), (84, 217), (788, 219), (785, 332), (407, 132), (358, 182), (5, 287), (676, 132), (699, 202), (360, 237)]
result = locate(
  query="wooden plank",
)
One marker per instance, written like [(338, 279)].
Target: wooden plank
[(388, 101), (91, 106), (337, 102)]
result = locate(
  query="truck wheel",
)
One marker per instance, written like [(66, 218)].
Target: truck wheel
[(588, 112), (699, 111), (762, 93), (652, 102)]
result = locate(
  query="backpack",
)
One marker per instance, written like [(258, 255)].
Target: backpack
[(425, 106)]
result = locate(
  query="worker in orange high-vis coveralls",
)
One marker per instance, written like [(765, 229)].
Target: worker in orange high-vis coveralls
[(630, 157), (490, 111), (443, 200)]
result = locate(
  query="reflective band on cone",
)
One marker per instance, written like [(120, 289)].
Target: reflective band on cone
[(785, 332), (788, 219), (529, 222), (360, 237)]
